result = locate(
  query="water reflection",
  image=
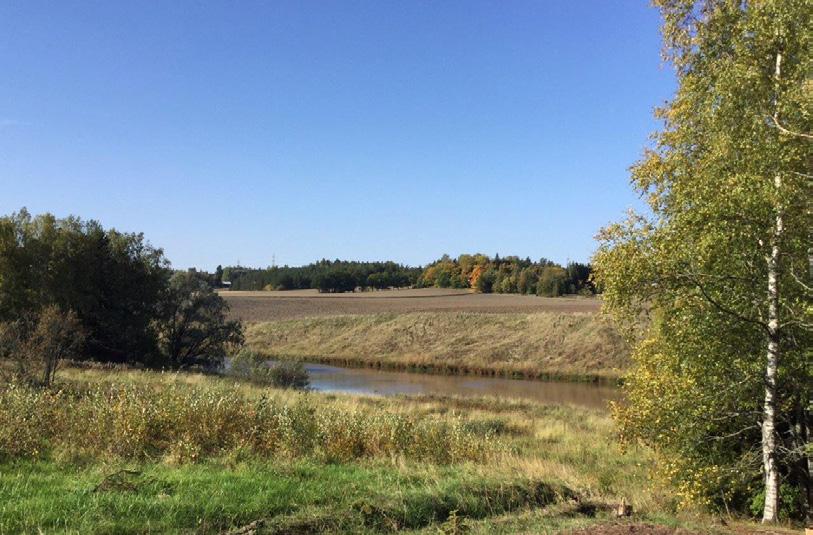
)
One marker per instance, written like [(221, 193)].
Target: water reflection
[(324, 378)]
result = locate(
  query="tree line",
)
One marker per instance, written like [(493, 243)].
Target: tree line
[(71, 288), (509, 274), (324, 275), (482, 273)]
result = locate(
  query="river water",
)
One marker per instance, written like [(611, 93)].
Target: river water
[(324, 378)]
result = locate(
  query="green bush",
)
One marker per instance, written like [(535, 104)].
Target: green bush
[(792, 503), (289, 374), (254, 367)]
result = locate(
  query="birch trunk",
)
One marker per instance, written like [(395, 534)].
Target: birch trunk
[(771, 509), (769, 513)]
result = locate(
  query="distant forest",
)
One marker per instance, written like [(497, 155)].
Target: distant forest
[(325, 275), (482, 273), (509, 274)]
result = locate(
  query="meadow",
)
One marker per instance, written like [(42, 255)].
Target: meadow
[(131, 451), (117, 449)]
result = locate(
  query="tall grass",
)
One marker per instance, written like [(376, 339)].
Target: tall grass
[(187, 423)]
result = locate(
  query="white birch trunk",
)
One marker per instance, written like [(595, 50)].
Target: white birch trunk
[(771, 472), (769, 513)]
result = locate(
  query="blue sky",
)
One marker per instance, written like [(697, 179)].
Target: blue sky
[(398, 130)]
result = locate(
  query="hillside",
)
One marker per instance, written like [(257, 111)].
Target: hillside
[(539, 344)]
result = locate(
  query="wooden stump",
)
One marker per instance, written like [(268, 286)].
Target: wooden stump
[(623, 509)]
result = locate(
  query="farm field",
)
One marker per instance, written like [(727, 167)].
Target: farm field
[(297, 304)]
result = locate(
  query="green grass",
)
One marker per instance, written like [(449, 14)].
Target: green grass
[(537, 345), (211, 497), (539, 468)]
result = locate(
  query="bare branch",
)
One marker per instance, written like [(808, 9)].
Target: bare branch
[(789, 132)]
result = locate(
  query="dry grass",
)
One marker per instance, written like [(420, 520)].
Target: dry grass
[(541, 345), (147, 416), (298, 304)]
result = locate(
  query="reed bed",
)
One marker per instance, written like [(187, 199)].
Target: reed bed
[(187, 423)]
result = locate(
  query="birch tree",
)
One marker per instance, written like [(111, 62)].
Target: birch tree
[(713, 283)]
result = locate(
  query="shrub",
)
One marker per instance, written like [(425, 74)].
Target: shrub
[(289, 374), (256, 368), (37, 344)]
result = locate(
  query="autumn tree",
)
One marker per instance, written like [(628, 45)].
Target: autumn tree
[(721, 266)]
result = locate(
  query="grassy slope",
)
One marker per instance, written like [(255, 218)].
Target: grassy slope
[(532, 345), (554, 468)]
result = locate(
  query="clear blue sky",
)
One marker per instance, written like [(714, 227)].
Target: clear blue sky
[(398, 130)]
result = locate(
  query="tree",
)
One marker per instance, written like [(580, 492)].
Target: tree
[(527, 281), (578, 278), (38, 343), (485, 282), (218, 277), (335, 280), (194, 327), (111, 280), (324, 273), (509, 274), (552, 282), (474, 276), (721, 267)]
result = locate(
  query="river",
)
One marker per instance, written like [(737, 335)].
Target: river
[(324, 378)]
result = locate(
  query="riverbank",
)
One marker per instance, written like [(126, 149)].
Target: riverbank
[(132, 451), (542, 345)]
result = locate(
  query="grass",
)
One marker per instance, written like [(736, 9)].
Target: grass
[(297, 497), (523, 466), (578, 346), (186, 423)]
